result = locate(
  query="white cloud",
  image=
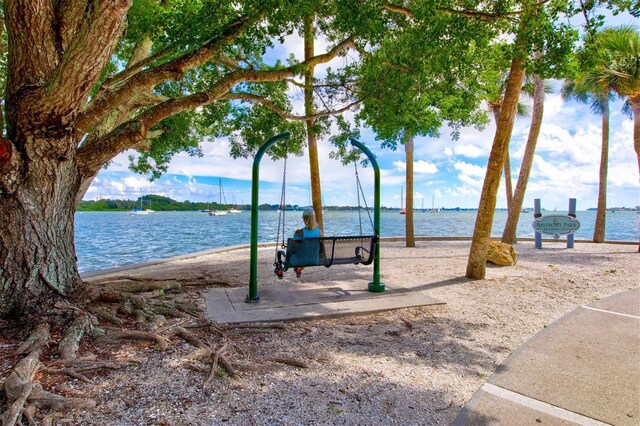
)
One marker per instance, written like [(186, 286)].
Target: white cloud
[(469, 151), (469, 169)]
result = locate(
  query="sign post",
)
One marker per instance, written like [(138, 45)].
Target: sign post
[(555, 224)]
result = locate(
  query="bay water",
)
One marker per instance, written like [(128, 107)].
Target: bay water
[(113, 239)]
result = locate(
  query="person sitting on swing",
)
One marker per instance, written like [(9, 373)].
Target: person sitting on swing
[(310, 254)]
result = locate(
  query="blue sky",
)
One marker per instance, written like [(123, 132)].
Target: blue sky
[(447, 173)]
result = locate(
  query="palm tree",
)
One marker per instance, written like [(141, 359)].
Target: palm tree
[(587, 89), (536, 89), (618, 53)]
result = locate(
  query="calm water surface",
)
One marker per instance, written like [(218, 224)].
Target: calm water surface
[(111, 239)]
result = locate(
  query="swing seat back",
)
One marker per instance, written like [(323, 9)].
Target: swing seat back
[(327, 251)]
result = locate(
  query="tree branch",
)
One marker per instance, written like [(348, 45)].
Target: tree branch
[(171, 71), (95, 153), (81, 64), (133, 69), (69, 14), (34, 63), (282, 113), (461, 12)]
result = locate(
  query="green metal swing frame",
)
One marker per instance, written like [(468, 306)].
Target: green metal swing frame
[(375, 285)]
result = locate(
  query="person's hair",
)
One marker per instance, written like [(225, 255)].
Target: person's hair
[(309, 217)]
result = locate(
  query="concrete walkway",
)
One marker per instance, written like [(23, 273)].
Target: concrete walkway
[(583, 369), (304, 301)]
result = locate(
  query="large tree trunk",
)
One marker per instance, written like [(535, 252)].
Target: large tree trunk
[(37, 251), (513, 217), (601, 213), (409, 231), (312, 141), (476, 265), (57, 52)]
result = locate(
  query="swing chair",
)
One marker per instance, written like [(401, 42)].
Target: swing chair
[(323, 251)]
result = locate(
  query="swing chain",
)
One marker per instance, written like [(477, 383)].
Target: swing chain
[(278, 262), (359, 190)]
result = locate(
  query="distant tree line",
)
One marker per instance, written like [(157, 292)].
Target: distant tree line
[(160, 203), (157, 203)]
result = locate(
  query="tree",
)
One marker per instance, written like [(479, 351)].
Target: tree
[(513, 215), (586, 88), (495, 82), (411, 84), (618, 54), (535, 29), (72, 105), (312, 139)]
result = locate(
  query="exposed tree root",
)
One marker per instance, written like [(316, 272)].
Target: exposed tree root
[(190, 337), (105, 314), (143, 286), (69, 372), (124, 282), (135, 335), (38, 338), (18, 386), (289, 361), (119, 301), (70, 342), (40, 398), (84, 365)]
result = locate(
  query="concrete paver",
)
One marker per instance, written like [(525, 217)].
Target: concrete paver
[(309, 301), (584, 369)]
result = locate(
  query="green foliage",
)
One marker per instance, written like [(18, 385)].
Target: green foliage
[(618, 53), (413, 83), (154, 202), (178, 135)]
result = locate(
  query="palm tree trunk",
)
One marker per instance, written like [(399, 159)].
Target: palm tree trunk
[(477, 262), (312, 141), (507, 180), (496, 107), (513, 217), (601, 214), (635, 109), (409, 229)]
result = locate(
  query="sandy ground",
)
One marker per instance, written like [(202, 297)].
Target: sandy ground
[(414, 366)]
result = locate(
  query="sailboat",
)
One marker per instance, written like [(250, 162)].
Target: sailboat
[(141, 210), (433, 208), (402, 209), (234, 209), (221, 195)]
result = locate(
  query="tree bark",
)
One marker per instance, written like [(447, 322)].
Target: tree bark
[(37, 251), (601, 213), (507, 180), (409, 229), (635, 109), (496, 107), (312, 141), (513, 217), (51, 70), (476, 265)]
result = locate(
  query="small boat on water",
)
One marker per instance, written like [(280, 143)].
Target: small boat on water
[(141, 210), (221, 202), (145, 211)]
